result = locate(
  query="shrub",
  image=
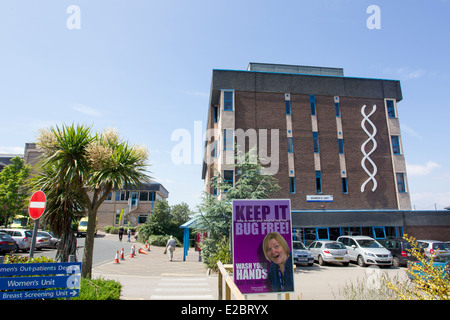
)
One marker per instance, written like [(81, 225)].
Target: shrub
[(214, 251), (99, 289), (430, 282), (161, 240)]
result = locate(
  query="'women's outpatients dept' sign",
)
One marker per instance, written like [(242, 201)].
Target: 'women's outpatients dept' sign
[(262, 246)]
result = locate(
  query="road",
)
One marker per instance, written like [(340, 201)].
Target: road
[(104, 249)]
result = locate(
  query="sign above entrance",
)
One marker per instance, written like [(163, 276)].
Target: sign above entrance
[(319, 198)]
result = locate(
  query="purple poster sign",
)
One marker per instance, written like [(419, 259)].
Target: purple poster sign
[(262, 246)]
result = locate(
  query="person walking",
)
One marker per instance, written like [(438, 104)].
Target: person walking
[(129, 234), (170, 246), (120, 233)]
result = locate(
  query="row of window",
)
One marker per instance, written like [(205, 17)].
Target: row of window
[(125, 195), (318, 183), (228, 97), (400, 177)]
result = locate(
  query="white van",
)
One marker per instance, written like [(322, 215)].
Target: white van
[(366, 250)]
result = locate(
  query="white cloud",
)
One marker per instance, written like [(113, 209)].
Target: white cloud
[(12, 150), (410, 131), (405, 73), (86, 110), (421, 170), (430, 200)]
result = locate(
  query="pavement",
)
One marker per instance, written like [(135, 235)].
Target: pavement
[(152, 276)]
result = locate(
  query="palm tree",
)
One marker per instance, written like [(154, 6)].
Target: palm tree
[(87, 168)]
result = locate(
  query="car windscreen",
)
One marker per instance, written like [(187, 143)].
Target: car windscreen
[(335, 245), (4, 236), (368, 243), (440, 246), (299, 246)]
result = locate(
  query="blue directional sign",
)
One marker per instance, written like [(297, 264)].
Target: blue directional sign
[(29, 269), (19, 283), (16, 280), (39, 294)]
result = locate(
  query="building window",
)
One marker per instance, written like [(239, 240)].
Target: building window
[(228, 100), (401, 186), (341, 146), (344, 185), (143, 196), (290, 145), (316, 142), (312, 102), (318, 182), (391, 108), (216, 114), (122, 195), (109, 197), (287, 105), (378, 232), (292, 184), (214, 151), (228, 139), (322, 234), (337, 109), (228, 177), (395, 144)]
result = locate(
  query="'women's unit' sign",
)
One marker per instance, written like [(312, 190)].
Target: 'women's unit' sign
[(262, 246)]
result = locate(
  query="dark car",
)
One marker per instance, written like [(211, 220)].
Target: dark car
[(7, 243), (400, 249)]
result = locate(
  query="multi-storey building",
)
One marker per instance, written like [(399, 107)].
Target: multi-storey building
[(333, 143)]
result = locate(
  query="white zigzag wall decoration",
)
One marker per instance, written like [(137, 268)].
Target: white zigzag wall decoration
[(363, 148)]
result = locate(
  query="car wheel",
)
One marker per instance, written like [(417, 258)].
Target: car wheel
[(361, 262), (321, 261), (396, 262)]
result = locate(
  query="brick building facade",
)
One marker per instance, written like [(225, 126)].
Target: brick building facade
[(332, 142)]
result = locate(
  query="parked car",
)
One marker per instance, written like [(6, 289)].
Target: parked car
[(23, 237), (441, 261), (301, 254), (400, 250), (43, 240), (329, 251), (366, 250), (7, 243), (54, 242), (433, 247)]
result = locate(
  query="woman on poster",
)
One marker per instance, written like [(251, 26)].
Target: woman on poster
[(281, 274)]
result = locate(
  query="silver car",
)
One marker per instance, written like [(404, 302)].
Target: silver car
[(366, 250), (23, 237), (433, 247), (329, 251), (301, 254)]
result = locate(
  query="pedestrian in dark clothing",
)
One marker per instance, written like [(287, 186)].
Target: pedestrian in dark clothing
[(121, 233)]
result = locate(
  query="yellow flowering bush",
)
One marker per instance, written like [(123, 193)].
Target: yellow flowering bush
[(430, 282)]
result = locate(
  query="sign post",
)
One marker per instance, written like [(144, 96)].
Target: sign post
[(19, 281), (36, 208), (262, 246)]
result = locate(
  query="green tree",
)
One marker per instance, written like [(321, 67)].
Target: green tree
[(180, 213), (88, 166), (216, 215), (165, 220), (13, 188)]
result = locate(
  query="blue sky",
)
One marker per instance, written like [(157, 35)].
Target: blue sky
[(144, 67)]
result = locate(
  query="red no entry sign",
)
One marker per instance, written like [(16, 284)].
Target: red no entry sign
[(37, 205)]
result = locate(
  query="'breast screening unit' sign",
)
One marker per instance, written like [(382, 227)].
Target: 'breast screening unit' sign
[(262, 246)]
